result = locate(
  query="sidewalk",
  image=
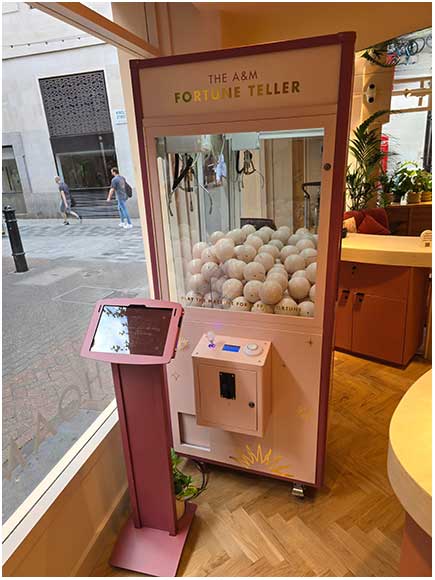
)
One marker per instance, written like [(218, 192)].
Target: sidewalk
[(50, 394)]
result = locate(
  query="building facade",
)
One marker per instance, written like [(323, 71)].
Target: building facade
[(63, 114)]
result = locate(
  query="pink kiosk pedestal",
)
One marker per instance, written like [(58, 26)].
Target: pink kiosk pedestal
[(132, 334)]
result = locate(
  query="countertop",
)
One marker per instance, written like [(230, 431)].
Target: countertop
[(386, 250), (410, 452)]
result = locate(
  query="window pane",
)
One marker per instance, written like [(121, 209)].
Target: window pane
[(242, 219), (50, 394)]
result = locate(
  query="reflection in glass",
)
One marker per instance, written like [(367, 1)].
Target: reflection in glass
[(132, 330), (241, 216)]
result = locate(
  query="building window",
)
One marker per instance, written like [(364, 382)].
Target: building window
[(11, 182)]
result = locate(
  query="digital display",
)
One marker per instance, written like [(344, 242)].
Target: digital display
[(231, 347), (134, 329)]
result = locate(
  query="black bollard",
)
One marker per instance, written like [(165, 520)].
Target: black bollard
[(15, 239)]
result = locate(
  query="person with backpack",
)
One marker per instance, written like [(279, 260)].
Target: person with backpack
[(122, 191), (66, 202)]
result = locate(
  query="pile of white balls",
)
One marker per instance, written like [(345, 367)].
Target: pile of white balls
[(265, 270)]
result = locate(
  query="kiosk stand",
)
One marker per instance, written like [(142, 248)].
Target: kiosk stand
[(132, 334)]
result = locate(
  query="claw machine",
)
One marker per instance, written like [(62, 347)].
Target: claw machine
[(243, 155)]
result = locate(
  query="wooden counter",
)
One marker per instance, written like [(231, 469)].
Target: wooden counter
[(386, 250), (410, 452), (382, 301), (410, 474)]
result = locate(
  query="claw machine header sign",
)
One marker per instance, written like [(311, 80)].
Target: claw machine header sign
[(295, 78)]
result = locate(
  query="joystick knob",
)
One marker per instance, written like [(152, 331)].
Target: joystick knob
[(211, 339)]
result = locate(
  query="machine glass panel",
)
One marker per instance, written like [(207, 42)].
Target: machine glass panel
[(241, 213), (132, 330)]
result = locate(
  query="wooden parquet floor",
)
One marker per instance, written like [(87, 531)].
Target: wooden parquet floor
[(251, 526)]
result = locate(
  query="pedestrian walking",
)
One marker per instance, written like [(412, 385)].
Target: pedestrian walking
[(66, 201), (118, 186)]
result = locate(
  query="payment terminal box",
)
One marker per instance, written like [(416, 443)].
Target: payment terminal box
[(233, 383)]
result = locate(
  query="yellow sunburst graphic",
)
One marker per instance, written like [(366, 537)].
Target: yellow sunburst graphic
[(250, 459)]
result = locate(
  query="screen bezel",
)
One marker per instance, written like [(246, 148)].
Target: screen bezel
[(138, 359)]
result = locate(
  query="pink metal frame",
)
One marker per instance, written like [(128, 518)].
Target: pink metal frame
[(347, 42), (134, 359)]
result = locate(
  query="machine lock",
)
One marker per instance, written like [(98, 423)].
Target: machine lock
[(227, 383)]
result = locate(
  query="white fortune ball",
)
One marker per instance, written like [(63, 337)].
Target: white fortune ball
[(288, 251), (260, 306), (272, 250), (266, 259), (254, 271), (210, 270), (311, 272), (287, 307), (216, 236), (306, 309), (265, 233), (305, 243), (198, 249), (237, 236), (193, 299), (245, 252), (251, 291), (299, 274), (278, 268), (226, 303), (271, 292), (224, 249), (232, 288), (285, 230), (208, 300), (298, 288), (294, 239), (294, 262), (316, 239), (254, 240), (309, 255), (235, 268), (277, 243), (198, 283), (240, 304), (217, 283), (279, 277), (312, 293), (194, 266), (301, 231), (282, 235), (248, 229), (209, 255)]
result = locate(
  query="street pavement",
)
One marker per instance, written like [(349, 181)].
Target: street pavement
[(50, 394)]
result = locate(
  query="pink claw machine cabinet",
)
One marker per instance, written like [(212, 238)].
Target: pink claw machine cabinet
[(243, 155)]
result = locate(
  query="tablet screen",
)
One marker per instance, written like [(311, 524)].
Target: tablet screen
[(134, 329)]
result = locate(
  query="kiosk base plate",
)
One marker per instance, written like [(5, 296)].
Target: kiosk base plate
[(150, 551)]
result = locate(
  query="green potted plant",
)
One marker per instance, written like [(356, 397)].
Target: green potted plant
[(362, 177), (404, 180), (184, 487), (423, 184), (386, 188)]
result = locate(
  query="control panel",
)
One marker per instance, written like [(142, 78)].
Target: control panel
[(232, 383)]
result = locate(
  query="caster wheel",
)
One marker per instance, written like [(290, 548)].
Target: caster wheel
[(298, 490)]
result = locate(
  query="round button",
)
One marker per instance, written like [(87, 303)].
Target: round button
[(252, 349)]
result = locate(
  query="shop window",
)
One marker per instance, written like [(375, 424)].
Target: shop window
[(11, 182)]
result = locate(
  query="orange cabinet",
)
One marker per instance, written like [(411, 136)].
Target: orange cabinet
[(380, 310)]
